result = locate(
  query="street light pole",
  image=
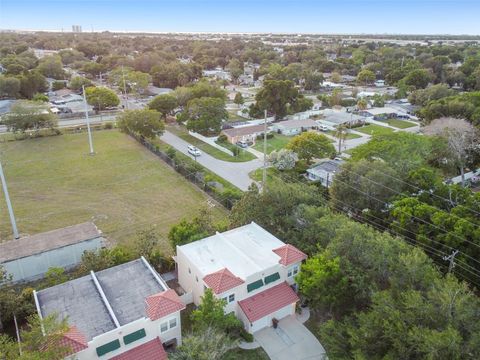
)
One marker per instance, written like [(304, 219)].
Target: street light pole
[(9, 204), (90, 142), (264, 177)]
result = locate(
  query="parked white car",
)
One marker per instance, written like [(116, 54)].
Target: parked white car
[(323, 128), (192, 150)]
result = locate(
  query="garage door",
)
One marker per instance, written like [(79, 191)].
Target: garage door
[(267, 320)]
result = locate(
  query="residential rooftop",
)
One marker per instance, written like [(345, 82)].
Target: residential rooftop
[(38, 243), (339, 117), (104, 300), (294, 124), (330, 166), (245, 130), (244, 251)]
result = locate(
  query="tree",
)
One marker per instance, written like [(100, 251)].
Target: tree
[(164, 104), (283, 160), (30, 115), (146, 242), (434, 92), (186, 231), (39, 97), (362, 104), (313, 80), (336, 77), (145, 122), (9, 87), (77, 82), (101, 97), (275, 96), (365, 77), (55, 276), (52, 67), (322, 283), (309, 145), (129, 80), (239, 100), (210, 344), (462, 138), (211, 314), (341, 135), (205, 115), (364, 185), (95, 261), (418, 78), (31, 83), (235, 67)]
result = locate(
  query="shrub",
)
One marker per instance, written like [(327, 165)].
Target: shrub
[(222, 138), (108, 126), (246, 335)]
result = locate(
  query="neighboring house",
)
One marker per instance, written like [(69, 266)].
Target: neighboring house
[(126, 312), (324, 171), (294, 127), (334, 117), (217, 73), (403, 106), (244, 133), (249, 268), (379, 83), (30, 257), (380, 113)]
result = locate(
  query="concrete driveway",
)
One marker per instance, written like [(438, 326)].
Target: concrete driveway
[(291, 340), (234, 172)]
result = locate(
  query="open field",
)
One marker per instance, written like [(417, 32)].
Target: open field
[(209, 149), (278, 142), (401, 124), (349, 136), (123, 188), (374, 129)]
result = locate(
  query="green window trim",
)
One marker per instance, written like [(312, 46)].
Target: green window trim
[(255, 285), (108, 347), (271, 278), (136, 335)]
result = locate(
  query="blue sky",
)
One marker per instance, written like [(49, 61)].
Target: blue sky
[(333, 16)]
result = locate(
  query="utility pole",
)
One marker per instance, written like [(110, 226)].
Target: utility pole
[(125, 89), (264, 178), (451, 258), (9, 204), (88, 122)]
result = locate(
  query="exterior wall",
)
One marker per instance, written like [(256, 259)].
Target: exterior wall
[(35, 266), (267, 320), (152, 329), (188, 279)]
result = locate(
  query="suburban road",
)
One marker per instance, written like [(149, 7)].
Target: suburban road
[(234, 172)]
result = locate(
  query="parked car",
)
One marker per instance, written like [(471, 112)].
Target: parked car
[(192, 150), (242, 144), (323, 127)]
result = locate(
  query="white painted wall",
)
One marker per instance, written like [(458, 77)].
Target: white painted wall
[(152, 329)]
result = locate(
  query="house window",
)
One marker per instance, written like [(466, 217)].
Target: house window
[(137, 335), (292, 271), (173, 323), (254, 285), (271, 278), (111, 346), (164, 326), (231, 298), (189, 271)]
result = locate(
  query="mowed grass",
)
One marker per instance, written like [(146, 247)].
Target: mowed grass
[(240, 354), (278, 142), (401, 124), (374, 129), (123, 188), (349, 136), (207, 148)]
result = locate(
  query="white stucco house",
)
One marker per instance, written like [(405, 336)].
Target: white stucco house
[(324, 171), (126, 312), (249, 268)]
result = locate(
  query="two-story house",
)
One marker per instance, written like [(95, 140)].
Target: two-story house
[(125, 312), (249, 268)]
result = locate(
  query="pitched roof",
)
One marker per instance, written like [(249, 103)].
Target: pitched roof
[(38, 243), (163, 304), (151, 350), (289, 254), (244, 130), (74, 340), (262, 304), (295, 124), (222, 280)]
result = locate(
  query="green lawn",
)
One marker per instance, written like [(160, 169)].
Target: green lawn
[(276, 143), (374, 129), (349, 136), (239, 354), (209, 149), (123, 188), (401, 124)]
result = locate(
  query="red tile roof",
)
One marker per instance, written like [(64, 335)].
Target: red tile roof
[(222, 280), (163, 304), (74, 340), (151, 350), (289, 254), (262, 304)]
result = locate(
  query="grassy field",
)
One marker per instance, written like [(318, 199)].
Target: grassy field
[(401, 124), (349, 136), (123, 188), (276, 143), (374, 129), (209, 149), (239, 354)]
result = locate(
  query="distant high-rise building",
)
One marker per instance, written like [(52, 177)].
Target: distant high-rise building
[(76, 28)]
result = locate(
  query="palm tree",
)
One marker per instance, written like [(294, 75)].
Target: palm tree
[(341, 135)]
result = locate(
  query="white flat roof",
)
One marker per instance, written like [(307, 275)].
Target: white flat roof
[(244, 251), (381, 110)]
